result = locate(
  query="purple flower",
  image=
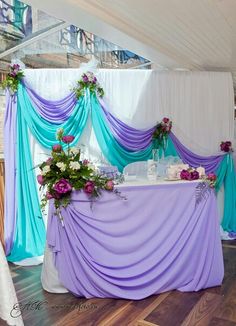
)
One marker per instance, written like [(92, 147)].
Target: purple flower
[(94, 80), (226, 146), (62, 186), (57, 148), (12, 74), (16, 66), (85, 78), (68, 139), (109, 185), (40, 179), (185, 175), (194, 175), (89, 187)]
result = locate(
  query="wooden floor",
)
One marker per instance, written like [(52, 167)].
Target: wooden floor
[(214, 307)]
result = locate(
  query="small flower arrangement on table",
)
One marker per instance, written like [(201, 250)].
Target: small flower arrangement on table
[(88, 81), (192, 174), (189, 174), (211, 179), (161, 132), (226, 146), (13, 78), (64, 171)]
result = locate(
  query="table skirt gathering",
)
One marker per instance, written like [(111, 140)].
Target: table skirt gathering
[(162, 237)]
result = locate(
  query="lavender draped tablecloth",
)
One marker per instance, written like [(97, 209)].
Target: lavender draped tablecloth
[(157, 240)]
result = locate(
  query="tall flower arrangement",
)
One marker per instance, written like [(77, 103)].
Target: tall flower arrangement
[(13, 78), (64, 171), (88, 81), (161, 133)]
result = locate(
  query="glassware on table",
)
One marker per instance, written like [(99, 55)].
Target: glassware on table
[(155, 154)]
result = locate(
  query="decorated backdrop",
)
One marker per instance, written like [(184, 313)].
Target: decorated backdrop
[(118, 127)]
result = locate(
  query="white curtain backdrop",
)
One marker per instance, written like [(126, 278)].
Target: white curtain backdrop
[(200, 104)]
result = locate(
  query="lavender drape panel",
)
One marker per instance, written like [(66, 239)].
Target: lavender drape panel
[(10, 170), (128, 137), (210, 163), (52, 111), (135, 140), (128, 249)]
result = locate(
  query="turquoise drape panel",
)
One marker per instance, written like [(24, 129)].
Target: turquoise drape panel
[(226, 176), (29, 238)]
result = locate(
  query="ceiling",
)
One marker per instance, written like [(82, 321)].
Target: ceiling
[(173, 34)]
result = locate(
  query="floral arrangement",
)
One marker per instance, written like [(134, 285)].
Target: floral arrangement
[(211, 179), (189, 174), (161, 132), (88, 81), (13, 78), (64, 171), (192, 174), (226, 146)]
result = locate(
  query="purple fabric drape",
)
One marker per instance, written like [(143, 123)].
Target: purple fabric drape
[(52, 111), (158, 240), (128, 137), (10, 170), (210, 163)]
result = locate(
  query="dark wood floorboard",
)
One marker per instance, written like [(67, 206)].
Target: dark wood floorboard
[(210, 307)]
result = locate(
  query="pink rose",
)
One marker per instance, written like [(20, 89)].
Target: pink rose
[(194, 175), (85, 162), (49, 195), (68, 139), (62, 186), (226, 146), (165, 120), (211, 176), (49, 161), (89, 187), (40, 179), (109, 185), (57, 148)]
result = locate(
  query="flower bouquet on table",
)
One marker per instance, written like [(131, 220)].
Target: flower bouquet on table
[(195, 174), (189, 174), (161, 132), (88, 81), (64, 171), (13, 78)]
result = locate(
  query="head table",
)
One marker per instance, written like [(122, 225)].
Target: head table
[(161, 238)]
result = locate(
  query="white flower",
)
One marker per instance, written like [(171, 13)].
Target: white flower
[(74, 150), (91, 166), (61, 166), (60, 133), (45, 170), (74, 165)]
